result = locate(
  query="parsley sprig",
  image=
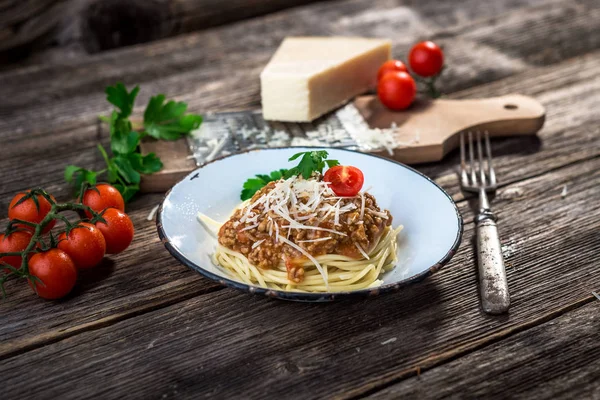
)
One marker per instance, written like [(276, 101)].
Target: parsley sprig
[(311, 162), (162, 121)]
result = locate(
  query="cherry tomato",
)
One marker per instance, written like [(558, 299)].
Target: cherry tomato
[(426, 59), (27, 211), (118, 230), (56, 271), (16, 241), (107, 196), (396, 90), (85, 245), (344, 180), (391, 66)]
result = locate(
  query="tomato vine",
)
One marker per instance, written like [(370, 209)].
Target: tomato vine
[(36, 243)]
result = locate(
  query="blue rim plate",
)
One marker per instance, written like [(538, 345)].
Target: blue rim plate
[(432, 223)]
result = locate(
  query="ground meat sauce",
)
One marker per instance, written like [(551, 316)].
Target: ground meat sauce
[(269, 253)]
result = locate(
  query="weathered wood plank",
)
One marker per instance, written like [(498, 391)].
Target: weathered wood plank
[(226, 53), (96, 25), (238, 345), (555, 360), (566, 89), (564, 141), (107, 24), (142, 278), (145, 280)]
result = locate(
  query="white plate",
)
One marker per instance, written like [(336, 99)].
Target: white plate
[(432, 224)]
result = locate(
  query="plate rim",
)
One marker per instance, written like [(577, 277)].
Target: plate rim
[(301, 296)]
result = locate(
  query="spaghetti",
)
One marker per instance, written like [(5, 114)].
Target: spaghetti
[(297, 235)]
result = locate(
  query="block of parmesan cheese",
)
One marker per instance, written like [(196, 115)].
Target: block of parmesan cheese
[(309, 76)]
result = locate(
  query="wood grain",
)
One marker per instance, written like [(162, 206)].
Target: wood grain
[(249, 346), (97, 25), (565, 141), (555, 360), (109, 24), (143, 326), (235, 54)]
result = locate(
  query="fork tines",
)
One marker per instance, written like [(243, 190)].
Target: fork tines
[(479, 173)]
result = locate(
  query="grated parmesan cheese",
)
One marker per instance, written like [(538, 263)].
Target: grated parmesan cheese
[(315, 240), (249, 227), (362, 205), (364, 254)]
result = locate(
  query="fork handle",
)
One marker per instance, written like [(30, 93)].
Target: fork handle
[(492, 275)]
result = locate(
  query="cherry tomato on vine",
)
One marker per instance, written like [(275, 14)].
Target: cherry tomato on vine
[(396, 90), (118, 230), (56, 271), (344, 180), (106, 196), (391, 66), (15, 241), (426, 59), (85, 245), (28, 211)]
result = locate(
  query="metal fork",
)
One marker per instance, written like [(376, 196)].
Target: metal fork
[(479, 177)]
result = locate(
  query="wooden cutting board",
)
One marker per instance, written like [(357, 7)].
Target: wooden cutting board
[(425, 132)]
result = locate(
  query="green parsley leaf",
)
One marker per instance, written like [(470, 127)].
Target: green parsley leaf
[(277, 175), (70, 170), (127, 191), (252, 186), (126, 170), (124, 142), (167, 121), (122, 99), (125, 164), (147, 164), (77, 176), (311, 162)]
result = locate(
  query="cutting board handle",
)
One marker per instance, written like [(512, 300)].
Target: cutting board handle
[(509, 115), (437, 123)]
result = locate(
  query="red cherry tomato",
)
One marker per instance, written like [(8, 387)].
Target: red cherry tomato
[(118, 230), (16, 241), (396, 90), (85, 245), (106, 196), (27, 211), (391, 66), (56, 271), (344, 180), (426, 59)]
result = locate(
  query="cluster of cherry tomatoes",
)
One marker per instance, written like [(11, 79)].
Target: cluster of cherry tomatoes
[(52, 271), (396, 88)]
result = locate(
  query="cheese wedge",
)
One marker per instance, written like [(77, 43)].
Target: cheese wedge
[(309, 76)]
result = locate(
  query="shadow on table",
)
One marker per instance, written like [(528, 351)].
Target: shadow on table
[(502, 146), (90, 278)]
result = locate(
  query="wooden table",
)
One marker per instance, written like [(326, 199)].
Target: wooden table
[(143, 326)]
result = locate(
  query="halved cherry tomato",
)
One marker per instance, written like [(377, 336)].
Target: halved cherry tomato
[(344, 180), (15, 241), (106, 196), (56, 271), (85, 245), (28, 211), (426, 59), (391, 66), (118, 230), (396, 90)]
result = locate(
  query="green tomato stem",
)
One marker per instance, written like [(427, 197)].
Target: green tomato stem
[(37, 233), (11, 253)]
